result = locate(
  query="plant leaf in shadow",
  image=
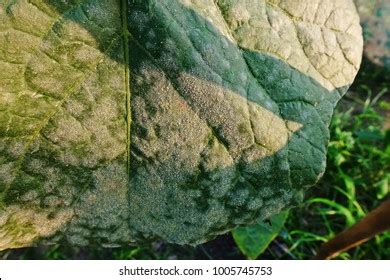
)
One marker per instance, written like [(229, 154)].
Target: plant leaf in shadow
[(138, 120)]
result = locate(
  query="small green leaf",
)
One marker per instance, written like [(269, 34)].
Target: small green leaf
[(253, 240)]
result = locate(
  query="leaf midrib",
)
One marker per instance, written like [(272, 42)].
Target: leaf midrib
[(126, 50)]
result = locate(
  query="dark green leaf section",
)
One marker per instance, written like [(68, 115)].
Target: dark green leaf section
[(253, 240)]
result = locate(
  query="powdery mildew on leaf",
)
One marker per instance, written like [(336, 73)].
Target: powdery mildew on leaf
[(128, 121)]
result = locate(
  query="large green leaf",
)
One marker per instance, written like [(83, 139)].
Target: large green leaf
[(135, 120), (254, 240)]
